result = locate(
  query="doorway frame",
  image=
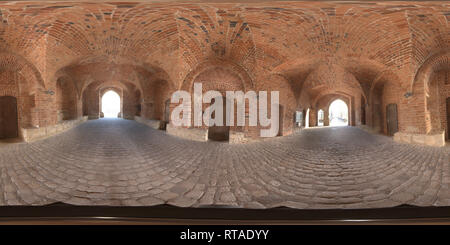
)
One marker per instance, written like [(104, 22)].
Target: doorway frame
[(17, 127)]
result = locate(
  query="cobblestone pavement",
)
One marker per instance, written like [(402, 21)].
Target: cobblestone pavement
[(120, 162)]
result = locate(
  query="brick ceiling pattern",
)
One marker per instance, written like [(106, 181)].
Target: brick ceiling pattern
[(151, 41)]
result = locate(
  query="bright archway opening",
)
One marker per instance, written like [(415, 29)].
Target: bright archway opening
[(111, 104), (338, 113), (307, 119), (320, 118)]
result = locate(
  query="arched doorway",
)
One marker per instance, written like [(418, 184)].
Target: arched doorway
[(211, 78), (8, 117), (111, 104), (307, 118), (320, 118), (338, 113)]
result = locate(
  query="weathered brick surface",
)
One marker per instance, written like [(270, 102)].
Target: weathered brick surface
[(310, 51), (59, 58)]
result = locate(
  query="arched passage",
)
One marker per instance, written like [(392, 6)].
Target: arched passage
[(20, 80), (307, 118), (220, 77), (320, 117), (437, 94), (111, 104), (338, 113)]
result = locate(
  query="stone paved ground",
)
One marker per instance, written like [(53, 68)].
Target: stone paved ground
[(120, 162)]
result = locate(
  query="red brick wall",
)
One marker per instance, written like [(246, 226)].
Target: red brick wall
[(306, 50), (66, 100), (437, 106)]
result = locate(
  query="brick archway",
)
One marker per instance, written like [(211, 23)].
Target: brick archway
[(432, 85), (221, 76), (247, 83), (324, 104), (21, 80), (221, 79), (384, 91)]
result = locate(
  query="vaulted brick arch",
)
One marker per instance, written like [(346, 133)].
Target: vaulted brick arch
[(385, 90), (218, 75), (431, 83), (288, 103), (100, 33), (226, 66), (324, 102), (323, 32), (208, 32), (84, 74), (157, 88), (130, 98), (152, 84), (221, 79), (296, 71), (384, 51), (18, 64), (312, 80), (438, 61), (20, 79)]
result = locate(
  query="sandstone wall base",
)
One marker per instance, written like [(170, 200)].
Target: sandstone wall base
[(188, 133), (423, 139), (33, 134)]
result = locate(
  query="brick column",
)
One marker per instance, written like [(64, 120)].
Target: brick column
[(312, 117), (326, 118)]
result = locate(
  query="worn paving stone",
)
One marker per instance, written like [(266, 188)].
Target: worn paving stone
[(124, 163)]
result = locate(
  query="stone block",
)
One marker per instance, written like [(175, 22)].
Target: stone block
[(33, 134), (423, 139), (188, 133)]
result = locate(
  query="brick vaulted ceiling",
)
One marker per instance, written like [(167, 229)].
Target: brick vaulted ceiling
[(169, 39)]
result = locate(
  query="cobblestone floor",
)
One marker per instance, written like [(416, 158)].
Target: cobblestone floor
[(120, 162)]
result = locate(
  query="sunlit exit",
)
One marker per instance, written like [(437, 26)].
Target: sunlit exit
[(338, 113), (111, 104)]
